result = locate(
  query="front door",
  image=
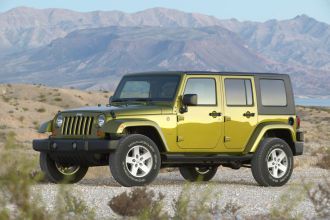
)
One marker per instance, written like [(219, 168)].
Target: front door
[(240, 110), (201, 127)]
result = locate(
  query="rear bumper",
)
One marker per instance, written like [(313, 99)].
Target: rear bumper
[(299, 144), (298, 148), (67, 146)]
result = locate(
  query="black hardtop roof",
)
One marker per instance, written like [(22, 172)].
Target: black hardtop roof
[(207, 73)]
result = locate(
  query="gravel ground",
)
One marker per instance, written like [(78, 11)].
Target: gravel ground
[(228, 185)]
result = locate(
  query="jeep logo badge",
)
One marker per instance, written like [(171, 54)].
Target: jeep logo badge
[(79, 114)]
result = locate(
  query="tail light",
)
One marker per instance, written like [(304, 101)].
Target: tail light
[(298, 122)]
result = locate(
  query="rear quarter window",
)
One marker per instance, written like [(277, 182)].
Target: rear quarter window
[(273, 92)]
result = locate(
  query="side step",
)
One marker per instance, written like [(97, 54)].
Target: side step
[(205, 159)]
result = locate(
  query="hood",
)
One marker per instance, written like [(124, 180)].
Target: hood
[(122, 110)]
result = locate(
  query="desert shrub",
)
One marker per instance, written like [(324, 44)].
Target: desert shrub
[(187, 207), (3, 126), (35, 125), (284, 207), (11, 140), (69, 206), (324, 160), (319, 195), (57, 99), (144, 204), (139, 202), (230, 210), (25, 109), (41, 110), (5, 99), (21, 118)]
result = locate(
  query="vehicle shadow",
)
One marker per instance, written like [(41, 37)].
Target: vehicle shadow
[(166, 181)]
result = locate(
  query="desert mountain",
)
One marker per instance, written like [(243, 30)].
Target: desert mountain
[(92, 50)]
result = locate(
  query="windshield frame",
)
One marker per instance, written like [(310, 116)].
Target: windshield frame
[(123, 80)]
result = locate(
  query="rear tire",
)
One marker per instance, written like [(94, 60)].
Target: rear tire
[(57, 173), (136, 161), (194, 174), (272, 163)]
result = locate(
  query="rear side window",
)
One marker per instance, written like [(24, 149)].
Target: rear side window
[(273, 92), (204, 88), (238, 92)]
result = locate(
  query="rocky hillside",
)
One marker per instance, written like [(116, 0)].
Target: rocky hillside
[(24, 107)]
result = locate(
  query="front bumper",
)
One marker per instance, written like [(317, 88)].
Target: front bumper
[(67, 146), (87, 152)]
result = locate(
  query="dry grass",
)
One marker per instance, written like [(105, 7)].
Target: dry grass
[(17, 176)]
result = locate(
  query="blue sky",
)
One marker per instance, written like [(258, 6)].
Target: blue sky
[(256, 10)]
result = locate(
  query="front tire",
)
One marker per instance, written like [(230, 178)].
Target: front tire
[(136, 162), (57, 173), (194, 174), (272, 163)]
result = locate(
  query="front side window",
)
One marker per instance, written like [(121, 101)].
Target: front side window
[(204, 88), (150, 88), (238, 92), (273, 92)]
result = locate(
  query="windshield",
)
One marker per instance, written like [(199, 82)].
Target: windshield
[(147, 88)]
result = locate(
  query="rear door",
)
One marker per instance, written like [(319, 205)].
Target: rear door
[(240, 110)]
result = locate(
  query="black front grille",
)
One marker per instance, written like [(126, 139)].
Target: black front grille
[(77, 125)]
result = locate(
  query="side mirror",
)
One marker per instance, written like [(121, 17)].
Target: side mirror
[(189, 100), (110, 99)]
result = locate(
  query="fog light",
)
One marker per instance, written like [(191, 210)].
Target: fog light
[(100, 133)]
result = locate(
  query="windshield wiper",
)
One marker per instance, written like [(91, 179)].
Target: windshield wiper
[(118, 100), (126, 101)]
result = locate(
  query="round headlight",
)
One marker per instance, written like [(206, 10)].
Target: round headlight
[(101, 120), (59, 120)]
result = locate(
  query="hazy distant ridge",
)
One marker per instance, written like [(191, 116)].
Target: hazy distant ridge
[(93, 50)]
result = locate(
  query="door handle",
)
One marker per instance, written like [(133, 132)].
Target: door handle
[(215, 114), (248, 114)]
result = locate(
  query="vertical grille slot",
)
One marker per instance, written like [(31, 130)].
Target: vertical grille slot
[(77, 125)]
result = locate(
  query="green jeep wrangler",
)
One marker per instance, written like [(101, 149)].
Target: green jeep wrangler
[(196, 121)]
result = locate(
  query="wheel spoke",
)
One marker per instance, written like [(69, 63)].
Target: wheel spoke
[(282, 167), (275, 172), (130, 160), (281, 156), (273, 154), (146, 156), (144, 168), (134, 170), (136, 151), (270, 164)]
